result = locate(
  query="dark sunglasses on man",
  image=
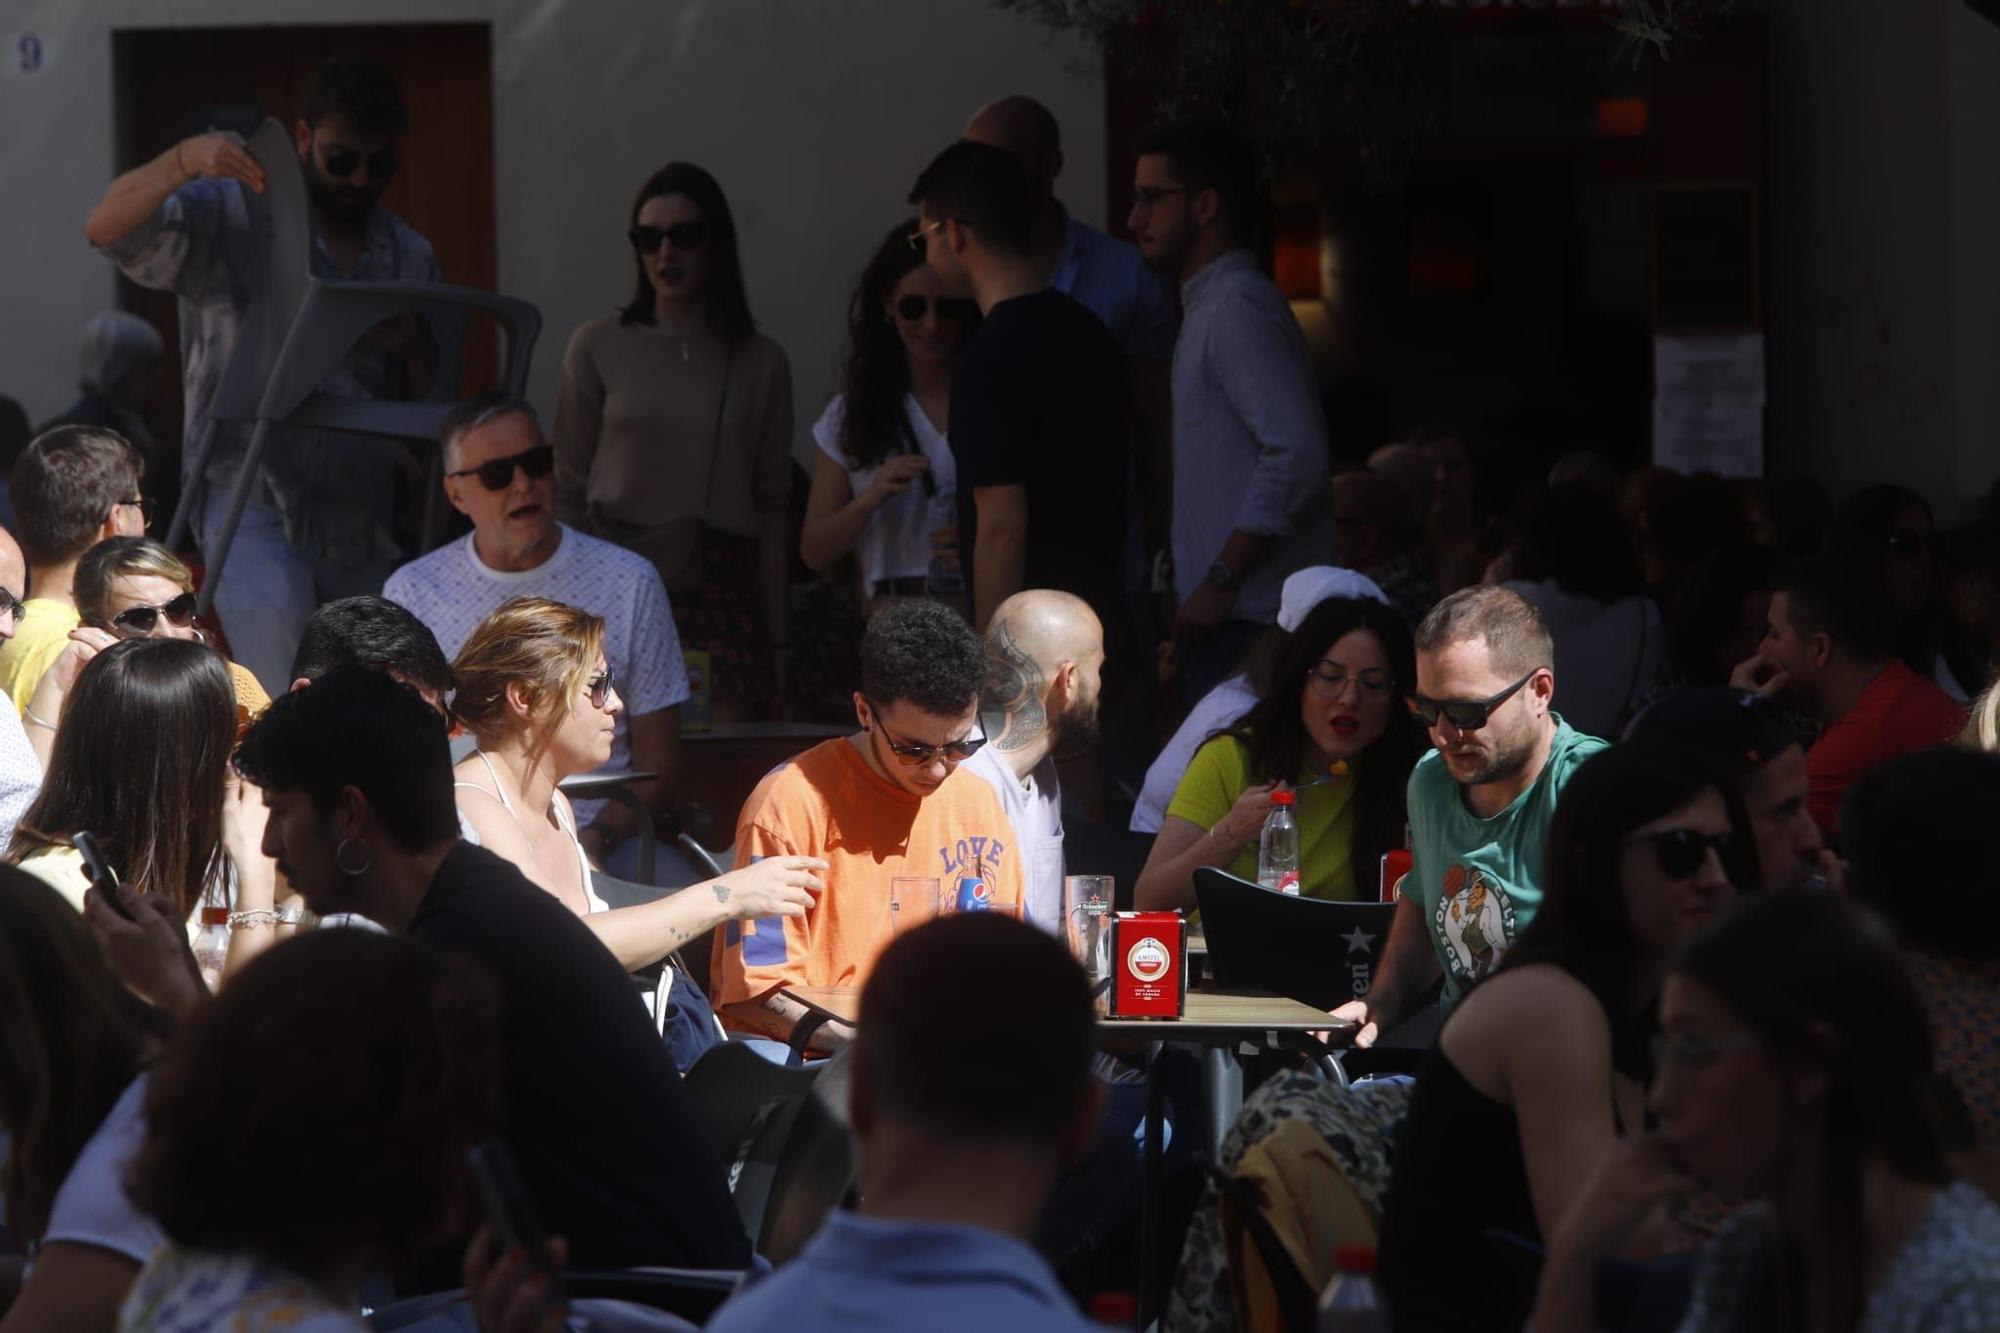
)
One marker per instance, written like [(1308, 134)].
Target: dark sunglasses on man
[(497, 474), (686, 236), (10, 605), (910, 309), (140, 620), (1465, 714), (912, 755), (341, 161)]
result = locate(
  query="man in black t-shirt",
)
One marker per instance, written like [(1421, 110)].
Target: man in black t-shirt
[(356, 775), (1039, 398)]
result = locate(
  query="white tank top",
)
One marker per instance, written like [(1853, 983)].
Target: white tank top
[(563, 822)]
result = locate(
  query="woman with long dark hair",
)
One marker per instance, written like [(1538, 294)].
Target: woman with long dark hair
[(1331, 727), (141, 761), (883, 482), (74, 1045), (1889, 529), (1543, 1067), (673, 436), (1795, 1069)]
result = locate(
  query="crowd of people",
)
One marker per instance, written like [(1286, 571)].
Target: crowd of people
[(1691, 979)]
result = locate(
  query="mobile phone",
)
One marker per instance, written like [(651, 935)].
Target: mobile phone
[(102, 877), (512, 1212)]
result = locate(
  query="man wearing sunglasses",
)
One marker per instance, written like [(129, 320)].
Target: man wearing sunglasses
[(321, 522), (1480, 803), (903, 833)]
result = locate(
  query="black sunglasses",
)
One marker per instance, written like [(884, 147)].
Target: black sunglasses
[(142, 503), (910, 309), (920, 756), (686, 236), (1908, 543), (599, 688), (497, 474), (10, 605), (1681, 851), (141, 619), (340, 161), (1465, 714)]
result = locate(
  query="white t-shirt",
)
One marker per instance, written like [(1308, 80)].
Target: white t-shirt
[(1034, 808), (1221, 708), (896, 544), (91, 1207), (451, 591)]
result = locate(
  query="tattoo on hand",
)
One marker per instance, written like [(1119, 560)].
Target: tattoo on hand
[(1014, 689)]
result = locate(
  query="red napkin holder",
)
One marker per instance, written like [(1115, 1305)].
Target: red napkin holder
[(1148, 965)]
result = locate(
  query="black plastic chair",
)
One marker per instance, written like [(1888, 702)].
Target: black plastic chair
[(697, 953), (1318, 953), (789, 1160)]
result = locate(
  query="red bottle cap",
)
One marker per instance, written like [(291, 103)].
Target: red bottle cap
[(1284, 798), (1354, 1258), (1119, 1309)]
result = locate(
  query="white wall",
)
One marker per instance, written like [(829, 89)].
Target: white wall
[(816, 115)]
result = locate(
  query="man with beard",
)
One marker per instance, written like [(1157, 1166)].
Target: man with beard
[(319, 523), (1249, 437), (1045, 656), (1480, 804)]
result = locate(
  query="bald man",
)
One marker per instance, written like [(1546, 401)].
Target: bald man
[(1105, 274), (20, 771), (1044, 654)]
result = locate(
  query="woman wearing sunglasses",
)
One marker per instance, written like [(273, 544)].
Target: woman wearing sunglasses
[(673, 437), (1794, 1070), (883, 480), (128, 588), (1889, 529), (1332, 728), (534, 691), (1543, 1067)]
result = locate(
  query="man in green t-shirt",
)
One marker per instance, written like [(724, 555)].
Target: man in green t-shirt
[(1480, 803)]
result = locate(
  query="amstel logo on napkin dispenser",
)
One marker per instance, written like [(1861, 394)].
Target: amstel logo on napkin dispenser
[(1150, 953)]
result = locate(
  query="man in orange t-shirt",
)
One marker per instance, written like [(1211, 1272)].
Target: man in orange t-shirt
[(1829, 648), (884, 803)]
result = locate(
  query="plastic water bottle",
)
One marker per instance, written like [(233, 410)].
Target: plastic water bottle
[(1278, 847), (211, 944), (1352, 1303)]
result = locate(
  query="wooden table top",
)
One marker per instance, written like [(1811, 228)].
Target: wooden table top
[(1209, 1013)]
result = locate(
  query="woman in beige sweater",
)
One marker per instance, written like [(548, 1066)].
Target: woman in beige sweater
[(673, 438)]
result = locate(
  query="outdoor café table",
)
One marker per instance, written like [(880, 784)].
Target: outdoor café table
[(1218, 1022)]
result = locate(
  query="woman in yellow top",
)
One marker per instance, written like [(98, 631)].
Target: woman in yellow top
[(128, 588), (1332, 697)]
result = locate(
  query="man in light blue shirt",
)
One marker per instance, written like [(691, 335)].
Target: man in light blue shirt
[(970, 1091), (1251, 500)]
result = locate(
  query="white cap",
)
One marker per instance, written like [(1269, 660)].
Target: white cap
[(1308, 587)]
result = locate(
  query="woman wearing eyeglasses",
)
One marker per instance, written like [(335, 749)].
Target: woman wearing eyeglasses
[(1795, 1071), (883, 480), (1543, 1067), (673, 436), (127, 588), (534, 691), (1332, 728)]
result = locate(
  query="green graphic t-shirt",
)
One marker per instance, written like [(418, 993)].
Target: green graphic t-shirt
[(1479, 881)]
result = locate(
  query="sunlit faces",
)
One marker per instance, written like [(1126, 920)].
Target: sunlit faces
[(932, 337), (145, 590), (519, 516), (678, 272), (1671, 874), (584, 730), (1465, 671), (1788, 842), (1348, 697), (1724, 1102), (1161, 222), (902, 723)]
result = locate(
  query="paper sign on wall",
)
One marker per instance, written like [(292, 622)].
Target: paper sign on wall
[(1708, 403)]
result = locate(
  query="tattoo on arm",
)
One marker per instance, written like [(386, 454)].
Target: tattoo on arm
[(721, 891), (1014, 690)]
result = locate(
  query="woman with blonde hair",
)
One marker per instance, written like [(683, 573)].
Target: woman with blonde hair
[(534, 691), (128, 588), (1982, 721)]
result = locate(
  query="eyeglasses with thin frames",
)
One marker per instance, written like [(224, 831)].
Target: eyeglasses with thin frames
[(1329, 680), (911, 755), (142, 503), (1465, 714), (1146, 196)]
